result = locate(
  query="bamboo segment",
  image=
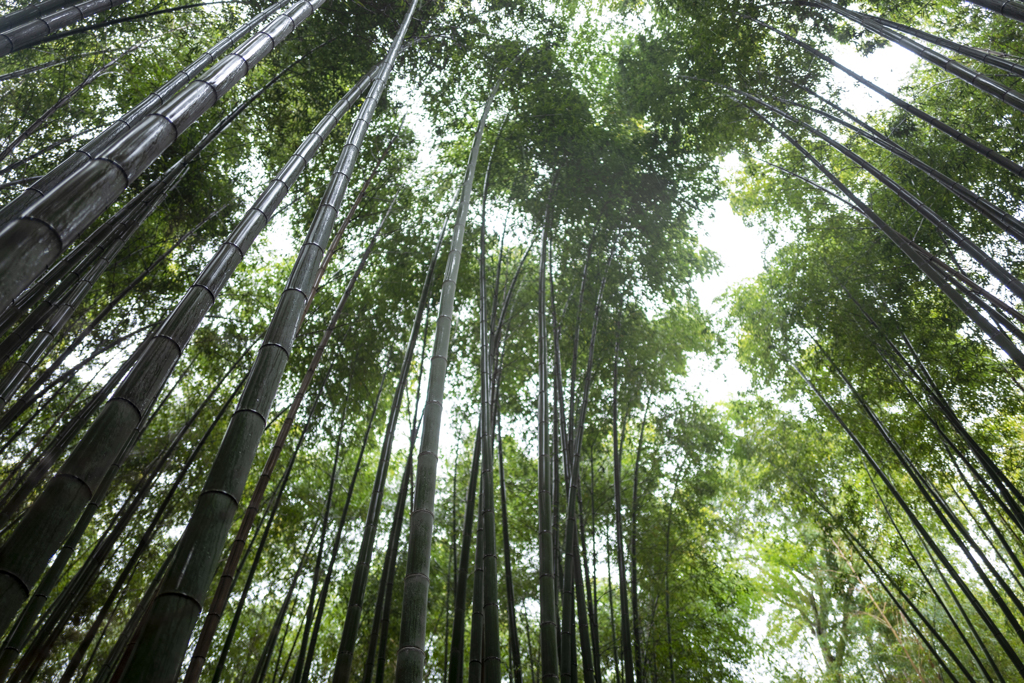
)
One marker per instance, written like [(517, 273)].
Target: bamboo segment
[(44, 185), (548, 586), (47, 522), (350, 630), (980, 81), (46, 225), (176, 608), (411, 657), (35, 30), (1008, 8), (26, 14), (939, 125)]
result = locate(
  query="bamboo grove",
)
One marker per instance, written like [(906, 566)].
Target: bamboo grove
[(353, 340)]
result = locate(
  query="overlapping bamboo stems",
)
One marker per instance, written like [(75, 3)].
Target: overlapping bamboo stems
[(268, 647), (487, 541), (457, 653), (87, 574), (112, 236), (510, 597), (1007, 506), (572, 447), (42, 119), (937, 595), (988, 57), (44, 185), (30, 395), (226, 477), (411, 657), (997, 477), (125, 19), (617, 448), (1003, 551), (994, 268), (29, 33), (311, 601), (120, 345), (387, 584), (350, 630), (146, 372), (96, 247), (27, 460), (1004, 220), (232, 564), (456, 661), (975, 555), (32, 356), (267, 521), (35, 236), (973, 78), (382, 608), (633, 574), (148, 535), (1001, 489), (244, 234), (476, 629), (268, 518), (549, 661), (955, 281), (34, 453), (58, 614), (939, 125), (904, 601), (925, 535), (318, 605), (13, 503), (187, 582), (927, 263), (234, 554), (953, 278), (125, 642)]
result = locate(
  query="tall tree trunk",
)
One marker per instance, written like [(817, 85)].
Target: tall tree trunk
[(175, 611), (548, 609), (624, 631), (411, 658), (59, 504), (510, 597), (227, 579)]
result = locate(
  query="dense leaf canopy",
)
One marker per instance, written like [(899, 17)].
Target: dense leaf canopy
[(854, 515)]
